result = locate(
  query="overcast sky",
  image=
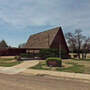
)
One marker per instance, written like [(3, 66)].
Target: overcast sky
[(21, 18)]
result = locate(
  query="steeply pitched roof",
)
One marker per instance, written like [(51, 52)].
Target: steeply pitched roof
[(42, 39), (3, 44)]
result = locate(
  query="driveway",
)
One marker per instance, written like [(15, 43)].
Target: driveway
[(23, 82)]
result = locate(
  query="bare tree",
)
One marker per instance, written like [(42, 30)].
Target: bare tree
[(79, 40), (22, 45), (85, 48), (75, 41), (71, 41)]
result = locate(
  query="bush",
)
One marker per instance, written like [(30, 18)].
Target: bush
[(25, 55), (46, 53), (30, 55), (54, 61)]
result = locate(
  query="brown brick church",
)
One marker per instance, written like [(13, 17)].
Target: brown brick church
[(53, 38)]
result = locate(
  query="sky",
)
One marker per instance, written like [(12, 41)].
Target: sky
[(21, 18)]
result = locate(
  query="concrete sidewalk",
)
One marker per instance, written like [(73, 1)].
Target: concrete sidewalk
[(18, 68), (57, 74)]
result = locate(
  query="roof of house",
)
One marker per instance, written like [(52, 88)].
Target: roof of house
[(42, 39)]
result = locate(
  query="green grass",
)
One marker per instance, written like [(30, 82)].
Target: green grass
[(6, 59), (4, 64), (8, 62), (40, 66), (82, 59), (75, 68)]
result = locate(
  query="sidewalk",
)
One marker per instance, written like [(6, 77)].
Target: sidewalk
[(57, 74), (18, 68)]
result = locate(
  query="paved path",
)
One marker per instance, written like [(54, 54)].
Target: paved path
[(18, 68), (20, 82)]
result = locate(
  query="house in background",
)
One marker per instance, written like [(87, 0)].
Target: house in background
[(53, 38)]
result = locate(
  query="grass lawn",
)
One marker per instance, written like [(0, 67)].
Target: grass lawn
[(76, 66), (82, 59), (8, 62)]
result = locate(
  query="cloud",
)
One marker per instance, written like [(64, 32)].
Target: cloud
[(44, 12), (22, 15)]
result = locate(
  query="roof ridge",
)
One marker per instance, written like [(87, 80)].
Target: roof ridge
[(45, 31), (42, 37)]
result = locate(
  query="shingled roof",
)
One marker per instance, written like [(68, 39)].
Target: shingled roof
[(47, 39), (42, 39)]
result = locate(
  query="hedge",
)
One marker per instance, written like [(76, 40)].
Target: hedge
[(54, 58), (25, 55), (46, 53), (54, 61)]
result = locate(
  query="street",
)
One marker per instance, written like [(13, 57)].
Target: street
[(26, 82)]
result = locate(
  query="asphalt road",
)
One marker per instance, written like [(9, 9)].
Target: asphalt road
[(24, 82)]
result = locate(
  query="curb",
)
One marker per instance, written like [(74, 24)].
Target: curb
[(57, 74)]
